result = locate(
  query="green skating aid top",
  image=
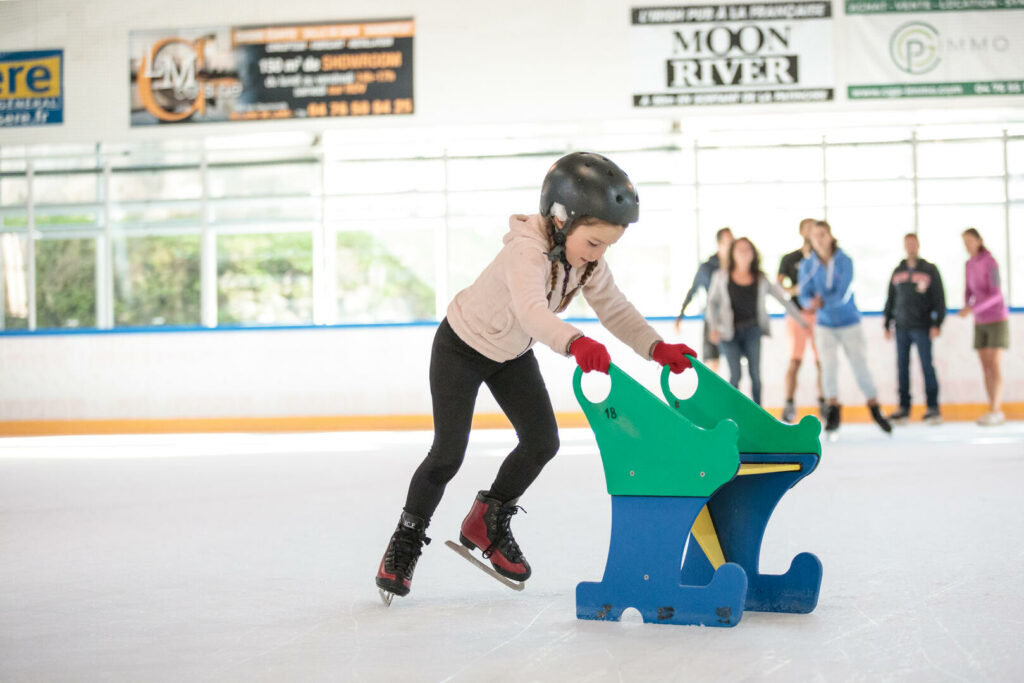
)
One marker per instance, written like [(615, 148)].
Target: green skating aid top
[(650, 449), (759, 431)]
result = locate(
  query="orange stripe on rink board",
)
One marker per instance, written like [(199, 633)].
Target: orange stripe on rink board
[(330, 423)]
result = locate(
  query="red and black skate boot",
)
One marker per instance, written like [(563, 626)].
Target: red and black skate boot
[(394, 577), (487, 527)]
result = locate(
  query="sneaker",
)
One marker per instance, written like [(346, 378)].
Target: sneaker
[(789, 413), (822, 409), (932, 417), (876, 415), (899, 417), (992, 419)]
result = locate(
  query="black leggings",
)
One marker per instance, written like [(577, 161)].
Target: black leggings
[(456, 373)]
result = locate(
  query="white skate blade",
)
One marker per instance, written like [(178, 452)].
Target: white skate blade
[(386, 596), (465, 552)]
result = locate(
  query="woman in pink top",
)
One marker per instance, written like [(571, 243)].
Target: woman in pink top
[(984, 298), (487, 338)]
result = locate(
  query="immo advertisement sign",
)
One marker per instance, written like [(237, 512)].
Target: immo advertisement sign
[(247, 73), (935, 48), (31, 88), (757, 53)]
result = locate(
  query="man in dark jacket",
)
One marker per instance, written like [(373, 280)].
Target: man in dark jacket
[(917, 303), (703, 280)]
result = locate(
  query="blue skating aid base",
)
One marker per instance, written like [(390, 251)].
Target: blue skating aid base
[(642, 571), (740, 511)]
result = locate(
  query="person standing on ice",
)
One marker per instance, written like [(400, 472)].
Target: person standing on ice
[(826, 288), (917, 304), (487, 338), (702, 280), (983, 297), (736, 314), (799, 335)]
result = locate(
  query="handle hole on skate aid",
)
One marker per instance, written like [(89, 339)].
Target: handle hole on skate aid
[(596, 386), (684, 385)]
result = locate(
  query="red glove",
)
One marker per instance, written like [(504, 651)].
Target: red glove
[(590, 355), (674, 356)]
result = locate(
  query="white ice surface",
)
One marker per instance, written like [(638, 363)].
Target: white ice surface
[(251, 558)]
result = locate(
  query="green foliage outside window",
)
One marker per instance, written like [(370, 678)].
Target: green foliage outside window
[(374, 284), (66, 283), (265, 278), (156, 280)]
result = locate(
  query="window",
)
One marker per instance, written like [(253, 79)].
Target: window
[(65, 282), (14, 281), (156, 280), (265, 279), (387, 226), (386, 273)]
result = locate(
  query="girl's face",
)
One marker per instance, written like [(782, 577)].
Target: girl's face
[(743, 255), (821, 240), (587, 243), (972, 244)]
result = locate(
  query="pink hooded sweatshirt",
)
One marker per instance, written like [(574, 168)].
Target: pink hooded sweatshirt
[(506, 310), (982, 291)]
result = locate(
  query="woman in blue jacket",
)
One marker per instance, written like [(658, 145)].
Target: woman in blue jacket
[(826, 286)]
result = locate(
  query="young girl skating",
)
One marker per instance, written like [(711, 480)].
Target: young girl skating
[(487, 338)]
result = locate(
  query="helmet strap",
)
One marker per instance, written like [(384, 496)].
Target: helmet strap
[(557, 253)]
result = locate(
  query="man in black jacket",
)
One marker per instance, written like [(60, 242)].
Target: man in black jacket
[(917, 303)]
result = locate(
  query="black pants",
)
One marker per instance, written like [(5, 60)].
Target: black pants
[(456, 373)]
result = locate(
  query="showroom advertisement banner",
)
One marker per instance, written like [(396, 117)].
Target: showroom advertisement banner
[(935, 48), (758, 53), (31, 88), (271, 72)]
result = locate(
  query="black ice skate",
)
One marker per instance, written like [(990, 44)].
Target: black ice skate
[(899, 417), (394, 576), (833, 417), (876, 415)]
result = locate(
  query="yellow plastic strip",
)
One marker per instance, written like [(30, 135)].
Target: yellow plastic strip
[(704, 531), (767, 467)]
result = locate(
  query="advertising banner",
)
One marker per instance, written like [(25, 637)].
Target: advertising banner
[(31, 88), (935, 48), (757, 53), (271, 72)]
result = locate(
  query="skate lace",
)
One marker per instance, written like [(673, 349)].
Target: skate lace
[(504, 541), (406, 550)]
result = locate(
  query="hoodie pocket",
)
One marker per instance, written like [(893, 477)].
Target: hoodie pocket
[(500, 324)]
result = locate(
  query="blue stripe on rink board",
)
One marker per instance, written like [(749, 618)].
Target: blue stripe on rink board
[(338, 326)]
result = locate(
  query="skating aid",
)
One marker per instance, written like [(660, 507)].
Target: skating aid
[(692, 489)]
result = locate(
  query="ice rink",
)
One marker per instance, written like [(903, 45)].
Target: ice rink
[(251, 557)]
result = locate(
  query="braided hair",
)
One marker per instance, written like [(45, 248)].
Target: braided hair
[(556, 239)]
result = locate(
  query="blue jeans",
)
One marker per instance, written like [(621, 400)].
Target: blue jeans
[(905, 338), (745, 342)]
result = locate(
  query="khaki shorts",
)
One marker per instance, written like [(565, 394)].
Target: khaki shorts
[(992, 335), (801, 336)]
